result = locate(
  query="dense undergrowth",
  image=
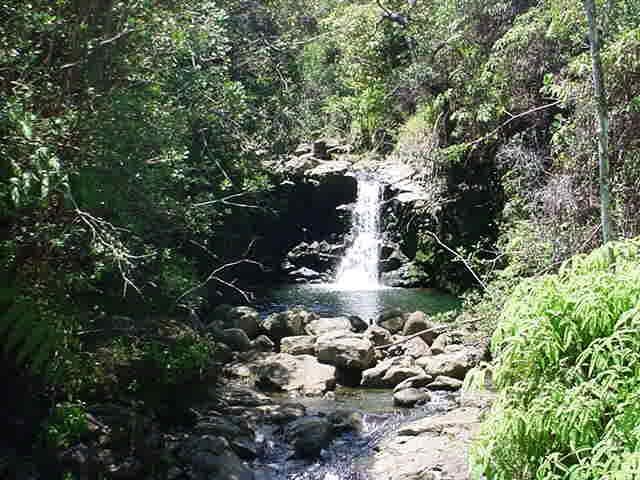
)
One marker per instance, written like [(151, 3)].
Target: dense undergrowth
[(567, 370)]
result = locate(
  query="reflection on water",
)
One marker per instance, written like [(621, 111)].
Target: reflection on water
[(326, 300)]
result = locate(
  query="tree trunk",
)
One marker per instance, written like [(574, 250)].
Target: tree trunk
[(603, 120)]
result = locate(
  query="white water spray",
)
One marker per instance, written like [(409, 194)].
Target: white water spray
[(358, 269)]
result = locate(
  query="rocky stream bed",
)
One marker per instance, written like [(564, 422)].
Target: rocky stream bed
[(304, 397)]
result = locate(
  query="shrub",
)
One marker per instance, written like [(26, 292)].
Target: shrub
[(567, 351)]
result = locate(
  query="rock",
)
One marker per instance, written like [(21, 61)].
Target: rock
[(346, 350), (444, 340), (304, 274), (325, 325), (303, 148), (235, 430), (222, 353), (416, 348), (417, 322), (287, 324), (419, 381), (262, 343), (431, 448), (309, 435), (358, 325), (317, 256), (212, 457), (298, 345), (283, 413), (334, 168), (396, 374), (375, 377), (344, 420), (378, 336), (300, 373), (236, 339), (393, 261), (220, 313), (404, 277), (392, 320), (455, 365), (244, 318), (408, 397), (445, 383), (297, 166)]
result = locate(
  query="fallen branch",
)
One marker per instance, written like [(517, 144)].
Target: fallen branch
[(422, 332)]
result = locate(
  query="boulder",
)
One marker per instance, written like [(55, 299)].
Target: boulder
[(455, 365), (358, 324), (325, 325), (417, 322), (445, 340), (262, 343), (445, 383), (287, 324), (408, 397), (334, 168), (346, 350), (416, 348), (376, 377), (305, 275), (309, 435), (396, 374), (404, 277), (393, 260), (212, 457), (244, 318), (236, 339), (378, 336), (345, 420), (300, 373), (392, 320), (298, 345), (419, 381)]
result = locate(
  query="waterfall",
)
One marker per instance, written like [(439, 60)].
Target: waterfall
[(358, 269)]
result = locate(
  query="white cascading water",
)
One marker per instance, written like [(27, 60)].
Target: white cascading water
[(358, 269)]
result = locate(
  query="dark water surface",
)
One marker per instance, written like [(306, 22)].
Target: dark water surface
[(327, 300)]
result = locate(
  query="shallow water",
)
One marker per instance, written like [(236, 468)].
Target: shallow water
[(350, 455), (329, 300)]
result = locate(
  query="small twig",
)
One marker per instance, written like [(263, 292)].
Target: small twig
[(213, 276), (460, 257), (514, 117)]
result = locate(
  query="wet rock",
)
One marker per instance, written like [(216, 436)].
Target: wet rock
[(262, 343), (325, 325), (417, 322), (305, 275), (300, 373), (236, 339), (419, 381), (403, 277), (393, 261), (287, 324), (299, 345), (346, 350), (378, 336), (358, 325), (408, 397), (392, 320), (317, 256), (445, 383), (455, 365), (211, 457), (344, 420), (283, 413), (244, 318), (309, 435), (235, 430), (334, 168)]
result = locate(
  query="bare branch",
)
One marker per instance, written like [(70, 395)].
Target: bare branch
[(460, 257)]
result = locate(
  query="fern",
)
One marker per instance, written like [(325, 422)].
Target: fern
[(27, 337), (567, 352)]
